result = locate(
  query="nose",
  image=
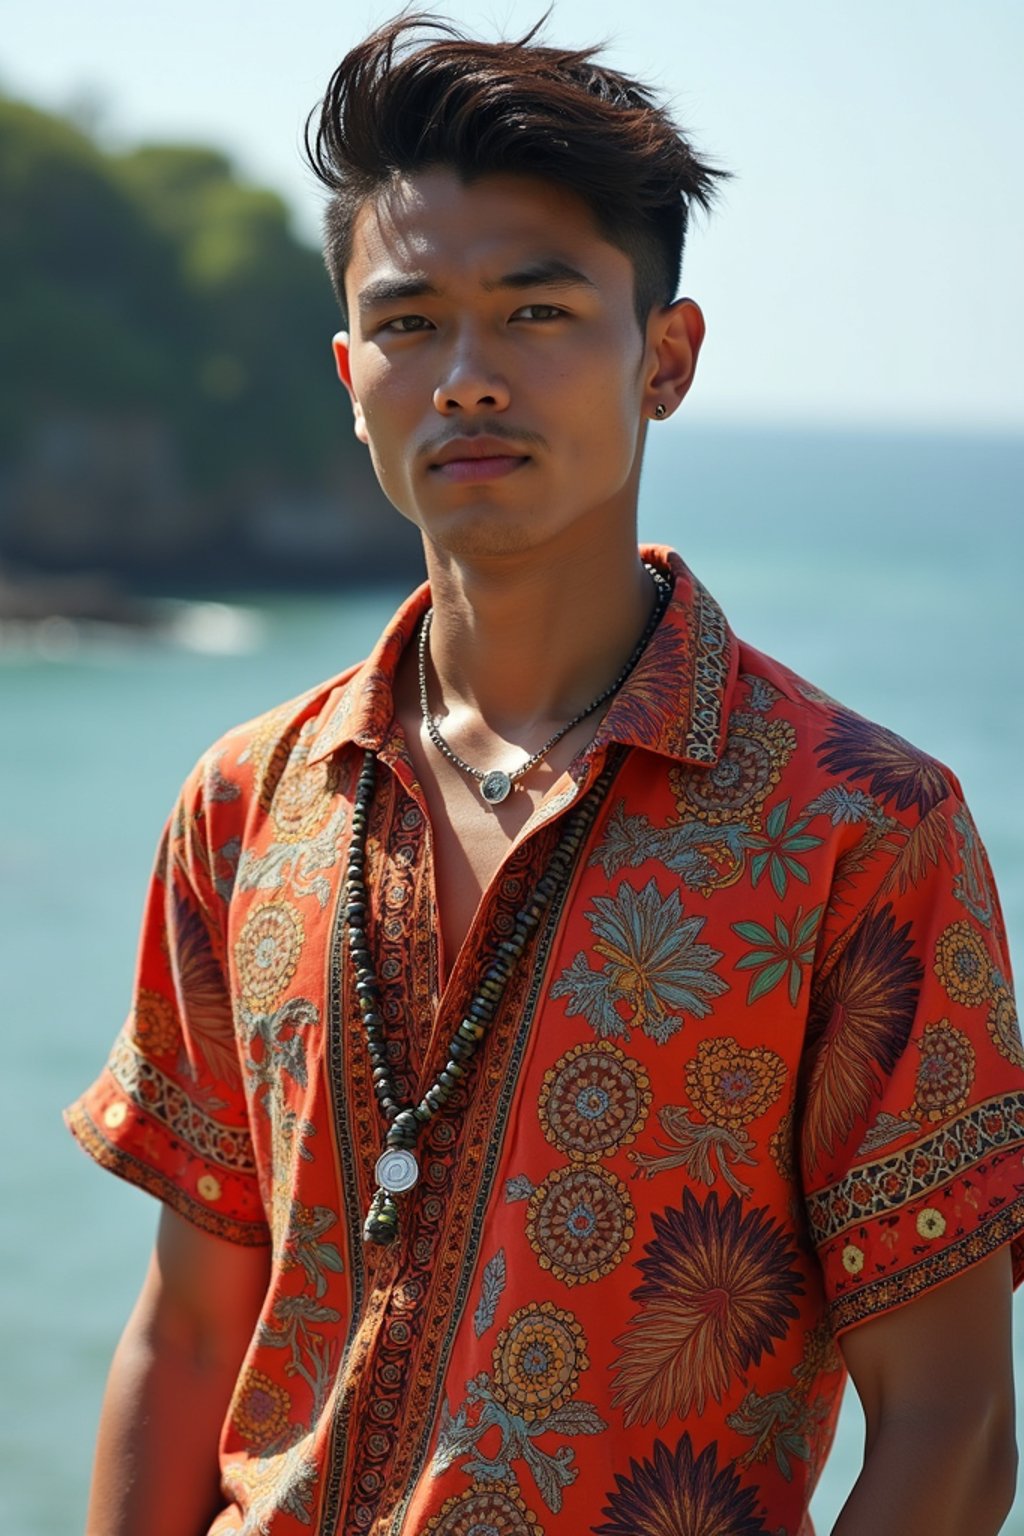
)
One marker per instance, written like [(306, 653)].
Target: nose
[(470, 384)]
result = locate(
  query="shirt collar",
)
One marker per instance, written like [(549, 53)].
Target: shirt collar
[(674, 702)]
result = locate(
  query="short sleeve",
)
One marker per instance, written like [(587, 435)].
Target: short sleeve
[(912, 1128), (168, 1111)]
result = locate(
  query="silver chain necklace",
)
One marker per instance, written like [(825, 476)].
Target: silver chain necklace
[(495, 784)]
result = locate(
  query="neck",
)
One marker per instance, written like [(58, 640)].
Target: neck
[(523, 643)]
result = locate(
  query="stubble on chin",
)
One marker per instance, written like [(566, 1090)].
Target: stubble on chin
[(480, 540), (476, 533)]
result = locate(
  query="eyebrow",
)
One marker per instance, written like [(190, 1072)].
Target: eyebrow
[(387, 290), (549, 273)]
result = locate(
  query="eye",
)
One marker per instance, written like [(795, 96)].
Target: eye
[(406, 325), (539, 312)]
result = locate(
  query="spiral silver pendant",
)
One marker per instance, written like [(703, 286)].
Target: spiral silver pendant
[(397, 1170), (495, 786)]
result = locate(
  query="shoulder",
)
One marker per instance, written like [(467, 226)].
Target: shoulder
[(857, 763), (241, 773)]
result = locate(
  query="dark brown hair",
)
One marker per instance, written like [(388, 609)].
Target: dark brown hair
[(419, 93)]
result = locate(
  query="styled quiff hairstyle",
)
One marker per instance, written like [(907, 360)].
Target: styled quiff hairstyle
[(418, 93)]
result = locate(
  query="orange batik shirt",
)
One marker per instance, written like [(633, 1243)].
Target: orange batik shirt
[(757, 1079)]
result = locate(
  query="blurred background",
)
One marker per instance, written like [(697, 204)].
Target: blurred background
[(189, 532)]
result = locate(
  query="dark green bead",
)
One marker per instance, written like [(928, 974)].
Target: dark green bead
[(382, 1222), (404, 1124)]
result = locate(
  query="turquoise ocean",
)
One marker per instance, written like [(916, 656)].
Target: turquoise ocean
[(886, 568)]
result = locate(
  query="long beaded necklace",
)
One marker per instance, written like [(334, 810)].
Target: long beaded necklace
[(495, 783), (397, 1168)]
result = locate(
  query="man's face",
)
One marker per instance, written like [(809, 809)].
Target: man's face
[(496, 369)]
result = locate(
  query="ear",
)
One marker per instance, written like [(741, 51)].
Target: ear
[(343, 363), (674, 337)]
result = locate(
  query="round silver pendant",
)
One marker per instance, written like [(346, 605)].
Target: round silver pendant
[(495, 786), (397, 1170)]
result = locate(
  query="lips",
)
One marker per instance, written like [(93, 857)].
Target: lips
[(477, 458)]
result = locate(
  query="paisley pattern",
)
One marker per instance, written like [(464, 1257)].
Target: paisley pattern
[(758, 1078)]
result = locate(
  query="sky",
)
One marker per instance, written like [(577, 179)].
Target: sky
[(864, 266)]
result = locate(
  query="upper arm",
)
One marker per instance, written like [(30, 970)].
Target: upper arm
[(947, 1353), (171, 1384), (202, 1293)]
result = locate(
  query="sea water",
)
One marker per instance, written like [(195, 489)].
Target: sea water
[(885, 568)]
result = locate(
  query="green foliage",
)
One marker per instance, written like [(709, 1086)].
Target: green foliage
[(259, 308), (82, 274), (156, 290)]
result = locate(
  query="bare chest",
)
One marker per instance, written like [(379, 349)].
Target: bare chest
[(469, 842), (470, 839)]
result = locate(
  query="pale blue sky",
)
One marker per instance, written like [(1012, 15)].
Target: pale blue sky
[(864, 267)]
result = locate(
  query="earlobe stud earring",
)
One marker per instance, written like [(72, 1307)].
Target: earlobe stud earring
[(661, 411)]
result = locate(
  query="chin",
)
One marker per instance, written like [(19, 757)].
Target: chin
[(481, 533)]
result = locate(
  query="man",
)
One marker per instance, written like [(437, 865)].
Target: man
[(555, 1034)]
